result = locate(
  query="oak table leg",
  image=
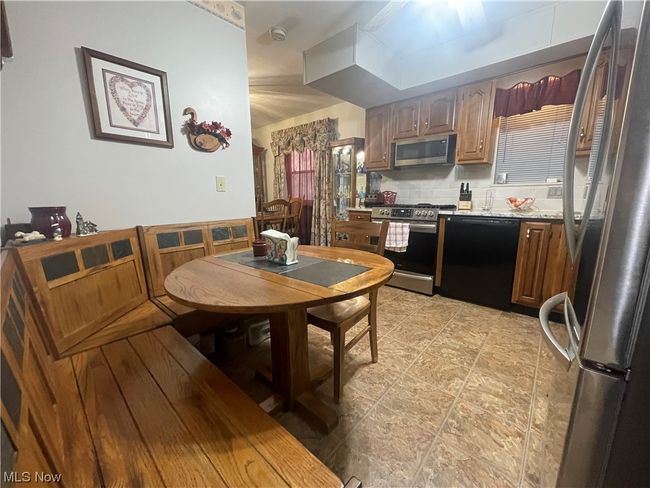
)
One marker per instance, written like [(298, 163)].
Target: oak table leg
[(290, 367)]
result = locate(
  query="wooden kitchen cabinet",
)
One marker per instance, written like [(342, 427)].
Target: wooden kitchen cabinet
[(378, 138), (592, 108), (475, 123), (438, 113), (359, 216), (543, 267), (406, 119)]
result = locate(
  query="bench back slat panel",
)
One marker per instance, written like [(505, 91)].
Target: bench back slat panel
[(166, 247), (85, 283)]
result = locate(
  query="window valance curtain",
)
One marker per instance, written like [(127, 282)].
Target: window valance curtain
[(525, 97), (314, 136)]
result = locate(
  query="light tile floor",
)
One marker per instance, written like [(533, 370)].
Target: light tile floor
[(459, 397)]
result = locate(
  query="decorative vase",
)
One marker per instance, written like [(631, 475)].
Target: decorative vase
[(45, 220), (260, 247)]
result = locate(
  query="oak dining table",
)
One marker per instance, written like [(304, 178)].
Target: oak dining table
[(239, 283)]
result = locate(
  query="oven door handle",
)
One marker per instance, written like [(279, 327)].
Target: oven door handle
[(424, 228)]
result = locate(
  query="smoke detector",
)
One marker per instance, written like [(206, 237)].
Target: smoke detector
[(278, 33)]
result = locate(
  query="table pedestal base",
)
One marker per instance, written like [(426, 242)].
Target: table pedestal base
[(290, 375)]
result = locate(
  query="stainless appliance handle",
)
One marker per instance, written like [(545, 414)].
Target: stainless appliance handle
[(566, 355), (413, 276), (424, 228), (610, 21), (573, 326)]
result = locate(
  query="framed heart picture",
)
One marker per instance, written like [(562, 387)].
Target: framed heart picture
[(130, 102)]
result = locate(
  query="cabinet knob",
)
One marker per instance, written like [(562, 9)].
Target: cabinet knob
[(528, 234), (384, 157), (480, 145), (426, 123), (415, 126), (582, 132)]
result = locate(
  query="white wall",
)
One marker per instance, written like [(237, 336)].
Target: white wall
[(351, 122), (49, 156)]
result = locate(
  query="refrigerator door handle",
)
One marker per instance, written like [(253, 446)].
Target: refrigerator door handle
[(573, 326), (610, 22), (566, 355)]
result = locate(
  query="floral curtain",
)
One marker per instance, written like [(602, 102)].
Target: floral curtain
[(525, 97), (315, 136)]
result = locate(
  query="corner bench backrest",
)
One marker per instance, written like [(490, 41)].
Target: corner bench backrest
[(85, 283), (166, 247), (38, 393)]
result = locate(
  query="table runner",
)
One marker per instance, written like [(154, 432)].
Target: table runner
[(322, 272)]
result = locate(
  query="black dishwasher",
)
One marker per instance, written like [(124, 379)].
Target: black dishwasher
[(479, 259)]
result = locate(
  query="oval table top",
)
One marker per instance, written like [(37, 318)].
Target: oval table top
[(215, 284)]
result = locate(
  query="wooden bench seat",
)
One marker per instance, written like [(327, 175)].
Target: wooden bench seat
[(165, 247), (147, 410), (92, 289)]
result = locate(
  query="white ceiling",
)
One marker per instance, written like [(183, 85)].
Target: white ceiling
[(275, 68)]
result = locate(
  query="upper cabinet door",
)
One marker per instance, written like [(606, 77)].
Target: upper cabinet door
[(406, 118), (474, 123), (593, 108), (377, 138), (438, 113)]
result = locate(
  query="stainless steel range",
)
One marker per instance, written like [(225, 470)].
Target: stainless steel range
[(415, 269)]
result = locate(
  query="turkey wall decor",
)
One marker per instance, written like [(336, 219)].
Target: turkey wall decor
[(205, 136), (129, 101)]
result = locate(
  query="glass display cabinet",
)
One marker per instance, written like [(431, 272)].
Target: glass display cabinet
[(349, 179)]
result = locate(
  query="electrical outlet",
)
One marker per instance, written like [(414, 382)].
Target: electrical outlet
[(221, 183), (554, 192)]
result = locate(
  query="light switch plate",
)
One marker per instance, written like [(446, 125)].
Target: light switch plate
[(221, 183)]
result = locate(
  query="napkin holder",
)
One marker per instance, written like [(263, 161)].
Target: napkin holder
[(283, 249)]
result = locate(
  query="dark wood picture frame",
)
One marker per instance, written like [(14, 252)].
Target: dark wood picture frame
[(100, 133)]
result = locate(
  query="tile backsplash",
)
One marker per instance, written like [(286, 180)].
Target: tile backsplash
[(441, 185)]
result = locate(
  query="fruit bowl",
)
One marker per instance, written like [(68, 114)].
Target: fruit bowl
[(520, 204)]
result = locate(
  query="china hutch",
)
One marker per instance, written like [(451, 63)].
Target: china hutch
[(349, 179)]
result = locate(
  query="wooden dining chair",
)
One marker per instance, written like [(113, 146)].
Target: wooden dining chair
[(293, 217), (274, 215), (337, 318)]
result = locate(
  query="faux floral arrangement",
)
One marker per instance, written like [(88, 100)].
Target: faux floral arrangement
[(214, 129)]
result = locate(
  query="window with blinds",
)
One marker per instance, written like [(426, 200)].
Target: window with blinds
[(531, 146)]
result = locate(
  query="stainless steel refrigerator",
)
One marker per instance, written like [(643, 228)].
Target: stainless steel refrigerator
[(597, 420)]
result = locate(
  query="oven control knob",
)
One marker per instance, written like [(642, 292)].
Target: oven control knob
[(430, 214), (418, 213)]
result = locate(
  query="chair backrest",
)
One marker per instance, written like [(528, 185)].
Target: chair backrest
[(85, 283), (293, 218), (274, 215), (365, 236), (166, 247)]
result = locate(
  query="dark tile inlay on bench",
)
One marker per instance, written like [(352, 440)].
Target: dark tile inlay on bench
[(318, 271)]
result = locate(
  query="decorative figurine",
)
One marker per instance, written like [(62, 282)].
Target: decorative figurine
[(85, 227), (57, 233), (29, 236)]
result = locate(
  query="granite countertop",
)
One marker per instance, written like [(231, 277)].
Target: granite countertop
[(528, 215), (504, 213)]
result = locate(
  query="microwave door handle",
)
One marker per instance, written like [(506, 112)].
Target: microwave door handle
[(606, 133), (610, 16)]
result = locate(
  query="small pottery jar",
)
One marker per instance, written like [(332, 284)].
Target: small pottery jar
[(260, 247), (47, 219)]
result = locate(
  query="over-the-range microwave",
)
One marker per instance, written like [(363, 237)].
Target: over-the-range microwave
[(433, 150)]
